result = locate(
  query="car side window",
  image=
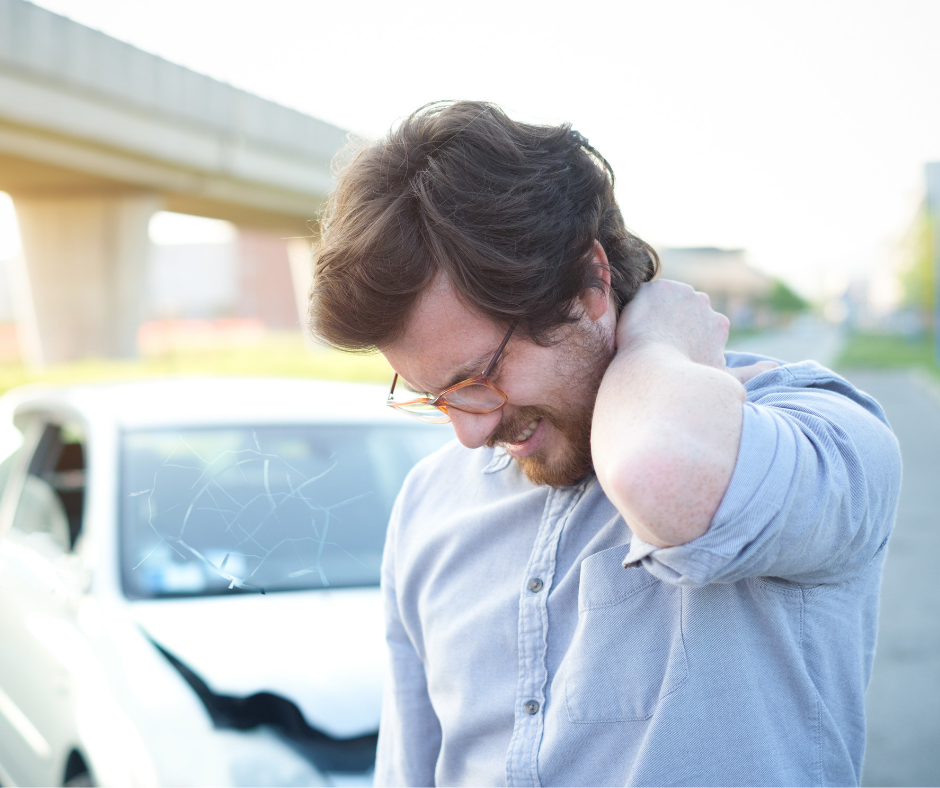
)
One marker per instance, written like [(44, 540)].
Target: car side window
[(53, 494)]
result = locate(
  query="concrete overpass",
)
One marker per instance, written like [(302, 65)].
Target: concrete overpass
[(96, 135)]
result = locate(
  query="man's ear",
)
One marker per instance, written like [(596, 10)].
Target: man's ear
[(595, 300)]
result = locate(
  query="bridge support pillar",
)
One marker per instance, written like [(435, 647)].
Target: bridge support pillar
[(81, 287)]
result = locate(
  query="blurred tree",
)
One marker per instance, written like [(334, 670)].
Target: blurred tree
[(917, 265), (782, 300)]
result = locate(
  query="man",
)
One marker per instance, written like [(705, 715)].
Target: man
[(645, 562)]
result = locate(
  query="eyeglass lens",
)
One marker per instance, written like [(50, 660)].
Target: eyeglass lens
[(425, 412), (475, 398)]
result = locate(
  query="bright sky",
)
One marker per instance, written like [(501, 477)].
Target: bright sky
[(797, 130)]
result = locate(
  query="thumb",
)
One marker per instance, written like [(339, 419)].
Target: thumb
[(744, 374)]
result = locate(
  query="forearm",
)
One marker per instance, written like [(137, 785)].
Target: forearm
[(665, 439)]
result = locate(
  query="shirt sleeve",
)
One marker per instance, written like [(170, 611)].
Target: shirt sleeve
[(814, 491), (409, 732)]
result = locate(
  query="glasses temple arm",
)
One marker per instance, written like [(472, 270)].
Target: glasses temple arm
[(499, 350)]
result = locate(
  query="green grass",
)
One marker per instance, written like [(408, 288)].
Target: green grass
[(278, 355), (883, 351), (286, 355)]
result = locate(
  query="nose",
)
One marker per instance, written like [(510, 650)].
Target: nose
[(473, 429)]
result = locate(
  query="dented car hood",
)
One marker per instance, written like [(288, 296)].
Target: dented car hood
[(323, 650)]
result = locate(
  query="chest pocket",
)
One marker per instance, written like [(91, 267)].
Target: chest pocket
[(627, 652)]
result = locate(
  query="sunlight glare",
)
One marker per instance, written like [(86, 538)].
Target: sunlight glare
[(9, 231), (167, 228)]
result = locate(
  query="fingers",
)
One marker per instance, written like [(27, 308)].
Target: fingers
[(673, 313), (744, 374)]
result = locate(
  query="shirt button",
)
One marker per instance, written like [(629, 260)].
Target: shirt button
[(531, 707), (535, 585)]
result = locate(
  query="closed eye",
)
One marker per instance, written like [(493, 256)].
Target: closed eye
[(413, 390)]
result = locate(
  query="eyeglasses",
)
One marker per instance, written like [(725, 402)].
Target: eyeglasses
[(473, 395)]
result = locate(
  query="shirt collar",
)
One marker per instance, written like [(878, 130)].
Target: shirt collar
[(500, 461)]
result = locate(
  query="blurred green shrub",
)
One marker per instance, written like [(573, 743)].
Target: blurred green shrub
[(782, 300)]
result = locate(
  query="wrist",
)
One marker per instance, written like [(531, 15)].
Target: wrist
[(649, 348)]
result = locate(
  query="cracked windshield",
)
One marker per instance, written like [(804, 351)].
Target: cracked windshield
[(210, 511)]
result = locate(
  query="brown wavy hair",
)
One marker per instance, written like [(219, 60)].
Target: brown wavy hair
[(508, 211)]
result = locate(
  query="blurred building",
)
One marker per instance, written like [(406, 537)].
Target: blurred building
[(736, 288), (249, 278), (96, 136), (204, 295), (265, 286), (196, 295), (192, 282)]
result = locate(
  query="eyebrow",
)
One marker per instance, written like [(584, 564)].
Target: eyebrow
[(468, 370)]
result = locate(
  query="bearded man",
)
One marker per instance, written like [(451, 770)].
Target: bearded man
[(644, 561)]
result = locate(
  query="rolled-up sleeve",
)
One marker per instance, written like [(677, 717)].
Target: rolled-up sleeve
[(813, 493)]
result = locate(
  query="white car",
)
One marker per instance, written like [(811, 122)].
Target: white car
[(188, 580)]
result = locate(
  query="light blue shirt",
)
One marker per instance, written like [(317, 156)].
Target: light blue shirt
[(534, 641)]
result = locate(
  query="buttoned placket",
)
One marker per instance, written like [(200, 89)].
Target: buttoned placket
[(522, 757)]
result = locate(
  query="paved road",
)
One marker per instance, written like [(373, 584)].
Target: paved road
[(807, 337), (903, 699), (904, 696)]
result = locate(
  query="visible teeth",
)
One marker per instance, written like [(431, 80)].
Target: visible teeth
[(527, 432)]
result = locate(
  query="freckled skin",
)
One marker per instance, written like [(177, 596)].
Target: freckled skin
[(666, 459)]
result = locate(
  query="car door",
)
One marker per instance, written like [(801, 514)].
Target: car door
[(40, 524)]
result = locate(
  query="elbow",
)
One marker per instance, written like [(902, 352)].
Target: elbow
[(667, 499)]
